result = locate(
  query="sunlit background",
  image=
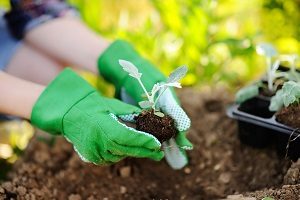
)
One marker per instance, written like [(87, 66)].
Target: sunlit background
[(215, 39)]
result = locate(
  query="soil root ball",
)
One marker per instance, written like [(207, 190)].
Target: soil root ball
[(163, 128)]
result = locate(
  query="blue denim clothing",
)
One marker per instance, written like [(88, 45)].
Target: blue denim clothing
[(24, 16), (8, 44)]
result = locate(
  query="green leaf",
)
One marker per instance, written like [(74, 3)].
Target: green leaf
[(292, 76), (130, 68), (145, 104), (159, 114), (156, 87), (276, 101), (144, 96), (247, 92), (289, 94), (266, 49), (172, 84), (267, 198), (177, 74)]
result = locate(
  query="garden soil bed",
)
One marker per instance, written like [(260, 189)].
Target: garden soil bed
[(219, 166)]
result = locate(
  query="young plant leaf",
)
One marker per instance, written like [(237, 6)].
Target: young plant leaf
[(267, 198), (154, 90), (290, 58), (173, 84), (276, 101), (144, 96), (289, 94), (292, 76), (266, 49), (177, 74), (130, 68), (247, 92), (159, 114), (145, 104)]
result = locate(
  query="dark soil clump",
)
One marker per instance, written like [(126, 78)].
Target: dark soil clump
[(289, 116), (163, 128), (290, 190)]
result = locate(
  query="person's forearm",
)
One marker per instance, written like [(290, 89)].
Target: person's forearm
[(70, 41), (18, 96)]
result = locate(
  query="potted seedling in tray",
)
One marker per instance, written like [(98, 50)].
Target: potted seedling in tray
[(256, 119), (274, 78), (286, 105), (152, 120)]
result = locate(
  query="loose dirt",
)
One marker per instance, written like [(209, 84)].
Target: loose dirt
[(219, 166)]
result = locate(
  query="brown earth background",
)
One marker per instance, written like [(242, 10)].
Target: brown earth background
[(220, 166)]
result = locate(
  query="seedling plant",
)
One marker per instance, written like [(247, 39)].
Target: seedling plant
[(274, 76), (152, 119), (288, 95), (152, 97)]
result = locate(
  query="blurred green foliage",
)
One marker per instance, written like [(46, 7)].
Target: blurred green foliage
[(214, 38), (4, 4)]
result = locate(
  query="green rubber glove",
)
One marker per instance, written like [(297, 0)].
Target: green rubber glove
[(129, 90), (71, 107)]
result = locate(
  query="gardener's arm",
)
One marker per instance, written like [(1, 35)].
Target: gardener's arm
[(68, 40), (17, 96), (70, 107)]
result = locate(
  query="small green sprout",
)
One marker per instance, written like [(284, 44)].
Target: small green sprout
[(287, 95), (273, 74), (158, 89)]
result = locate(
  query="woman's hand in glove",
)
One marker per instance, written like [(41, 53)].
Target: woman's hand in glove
[(69, 106)]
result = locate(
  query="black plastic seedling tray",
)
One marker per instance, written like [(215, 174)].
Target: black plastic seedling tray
[(259, 128)]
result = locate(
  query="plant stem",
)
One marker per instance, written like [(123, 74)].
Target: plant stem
[(144, 89), (270, 74)]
